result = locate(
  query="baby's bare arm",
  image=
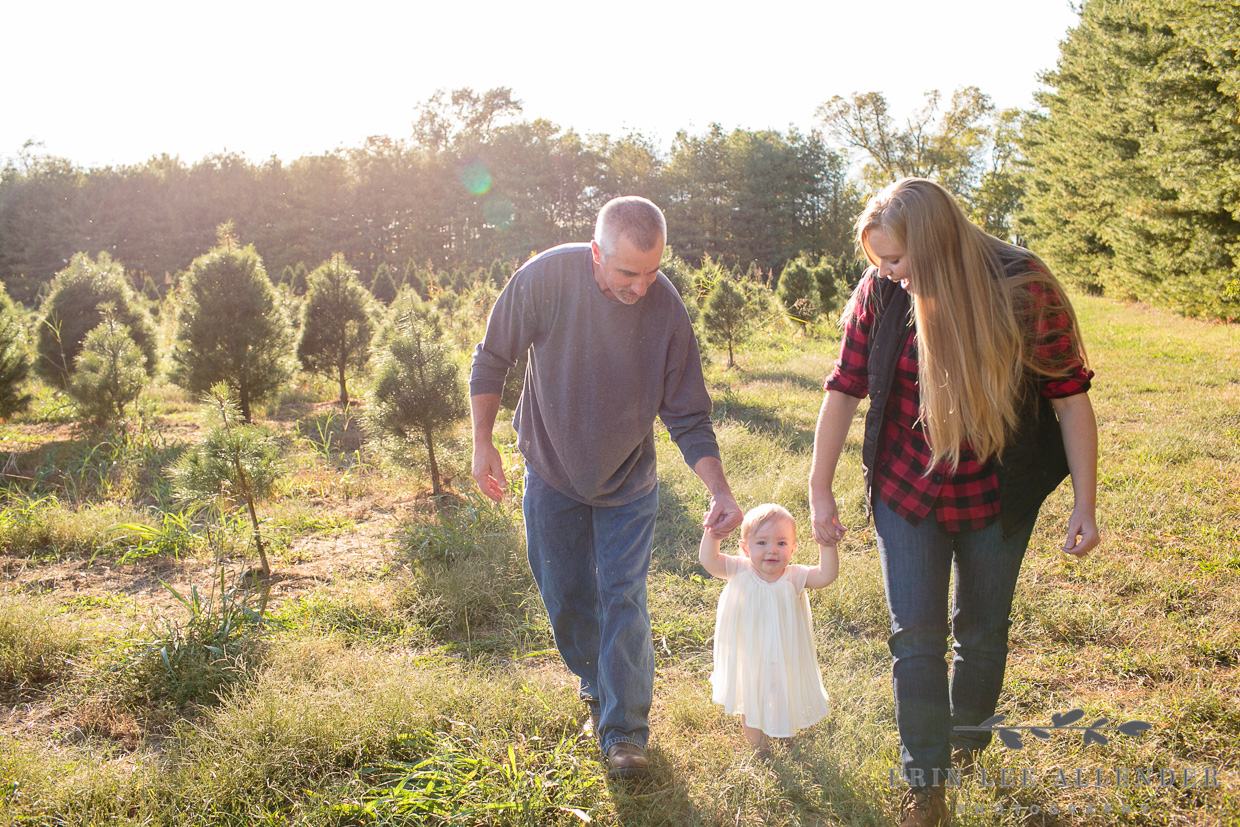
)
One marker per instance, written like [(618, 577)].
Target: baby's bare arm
[(827, 570), (710, 558)]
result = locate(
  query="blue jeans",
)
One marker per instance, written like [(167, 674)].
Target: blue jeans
[(590, 564), (917, 561)]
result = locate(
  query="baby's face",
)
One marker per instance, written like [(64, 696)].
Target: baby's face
[(771, 547)]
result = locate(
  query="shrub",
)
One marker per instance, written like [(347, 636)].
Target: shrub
[(214, 646)]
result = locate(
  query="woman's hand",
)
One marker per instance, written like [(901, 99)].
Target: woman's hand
[(1083, 536), (825, 520)]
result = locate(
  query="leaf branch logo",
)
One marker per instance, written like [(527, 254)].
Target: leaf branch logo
[(1093, 733)]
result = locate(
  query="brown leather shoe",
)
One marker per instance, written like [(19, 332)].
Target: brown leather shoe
[(626, 762), (925, 807)]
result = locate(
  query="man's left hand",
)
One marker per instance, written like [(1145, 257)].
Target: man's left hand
[(723, 517)]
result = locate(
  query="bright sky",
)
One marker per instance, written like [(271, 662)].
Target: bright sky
[(117, 82)]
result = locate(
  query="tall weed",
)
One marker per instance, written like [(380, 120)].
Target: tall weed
[(214, 646)]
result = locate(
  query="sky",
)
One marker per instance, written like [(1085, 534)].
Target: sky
[(106, 84)]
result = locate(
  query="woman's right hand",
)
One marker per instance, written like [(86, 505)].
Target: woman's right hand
[(825, 520)]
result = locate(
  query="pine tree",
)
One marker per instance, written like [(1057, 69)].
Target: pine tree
[(835, 278), (108, 373), (797, 292), (75, 306), (416, 395), (383, 288), (336, 327), (1132, 185), (236, 464), (14, 361), (727, 316), (231, 327), (300, 274)]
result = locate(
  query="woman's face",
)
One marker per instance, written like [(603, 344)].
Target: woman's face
[(892, 257)]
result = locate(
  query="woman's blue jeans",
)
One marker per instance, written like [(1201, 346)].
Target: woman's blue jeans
[(917, 562), (590, 564)]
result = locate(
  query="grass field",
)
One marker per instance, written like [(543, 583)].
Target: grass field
[(402, 671)]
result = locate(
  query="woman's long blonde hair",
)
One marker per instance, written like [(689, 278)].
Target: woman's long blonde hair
[(977, 338)]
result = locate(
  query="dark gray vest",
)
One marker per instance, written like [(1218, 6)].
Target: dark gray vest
[(1031, 465)]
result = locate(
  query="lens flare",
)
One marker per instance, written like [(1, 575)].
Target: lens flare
[(498, 212), (476, 177)]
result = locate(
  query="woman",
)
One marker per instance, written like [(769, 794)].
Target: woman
[(971, 356)]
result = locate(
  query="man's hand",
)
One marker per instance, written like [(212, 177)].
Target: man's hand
[(488, 471), (723, 516), (488, 467)]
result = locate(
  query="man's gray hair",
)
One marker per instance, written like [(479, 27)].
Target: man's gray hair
[(635, 218)]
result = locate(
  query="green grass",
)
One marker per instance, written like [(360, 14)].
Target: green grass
[(428, 691)]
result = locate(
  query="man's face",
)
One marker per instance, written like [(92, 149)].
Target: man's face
[(627, 273)]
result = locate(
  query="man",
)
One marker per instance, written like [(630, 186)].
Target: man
[(610, 346)]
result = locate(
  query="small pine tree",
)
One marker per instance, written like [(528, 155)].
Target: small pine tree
[(383, 288), (385, 273), (835, 279), (108, 374), (74, 307), (726, 316), (500, 272), (231, 327), (14, 360), (300, 274), (797, 292), (416, 395), (235, 465), (337, 324), (415, 280)]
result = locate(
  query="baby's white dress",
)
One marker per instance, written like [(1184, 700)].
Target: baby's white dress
[(766, 667)]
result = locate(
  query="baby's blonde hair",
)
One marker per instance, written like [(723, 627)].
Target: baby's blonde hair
[(759, 516)]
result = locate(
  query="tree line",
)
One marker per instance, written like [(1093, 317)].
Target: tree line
[(473, 184)]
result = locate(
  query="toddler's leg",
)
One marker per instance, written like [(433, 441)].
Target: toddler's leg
[(755, 737)]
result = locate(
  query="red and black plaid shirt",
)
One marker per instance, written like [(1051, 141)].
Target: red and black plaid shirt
[(969, 498)]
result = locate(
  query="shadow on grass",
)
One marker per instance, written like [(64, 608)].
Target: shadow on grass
[(86, 467), (761, 419), (331, 431), (659, 800), (814, 785), (797, 380), (677, 529)]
